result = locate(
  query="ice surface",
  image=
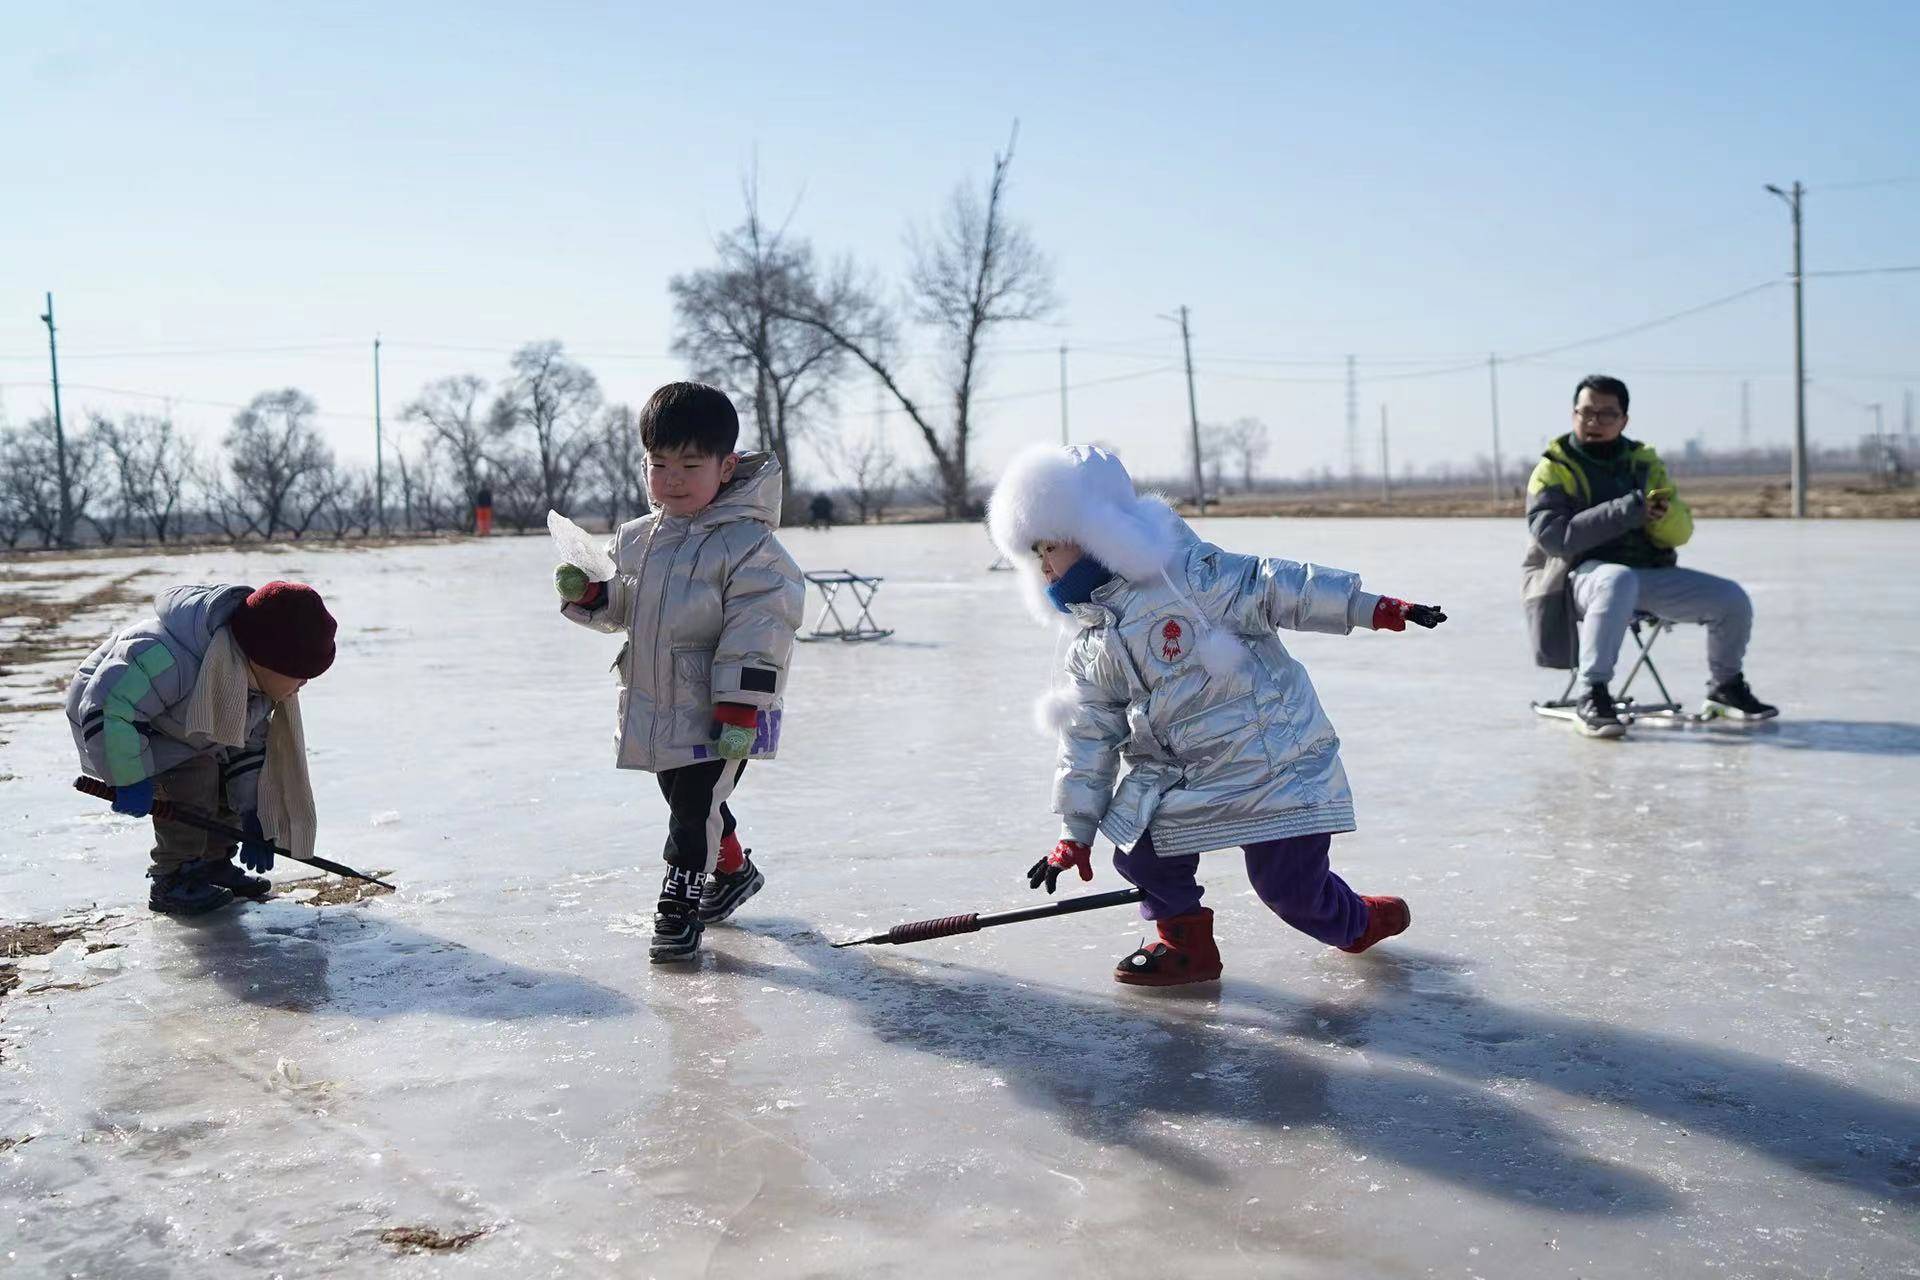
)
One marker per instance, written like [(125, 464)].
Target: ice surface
[(577, 547), (1656, 1015)]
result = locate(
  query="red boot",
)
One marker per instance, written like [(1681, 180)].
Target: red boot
[(1385, 917), (1185, 953)]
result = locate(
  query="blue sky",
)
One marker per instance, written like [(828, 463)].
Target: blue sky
[(1416, 185)]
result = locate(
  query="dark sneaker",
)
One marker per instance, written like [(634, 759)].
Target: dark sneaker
[(1735, 701), (185, 891), (228, 876), (1386, 918), (727, 890), (676, 920), (1597, 717)]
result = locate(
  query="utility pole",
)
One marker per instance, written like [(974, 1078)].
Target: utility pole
[(1799, 357), (1493, 385), (1386, 470), (1906, 417), (379, 454), (1063, 393), (1193, 416), (1353, 428), (59, 433)]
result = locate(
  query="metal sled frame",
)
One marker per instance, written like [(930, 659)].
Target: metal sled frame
[(863, 589), (1645, 629)]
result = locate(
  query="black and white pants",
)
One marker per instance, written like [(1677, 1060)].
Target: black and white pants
[(699, 818)]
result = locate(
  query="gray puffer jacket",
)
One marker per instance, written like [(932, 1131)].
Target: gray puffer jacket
[(125, 701), (710, 604), (1219, 728)]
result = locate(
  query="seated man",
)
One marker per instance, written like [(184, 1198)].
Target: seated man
[(1604, 521)]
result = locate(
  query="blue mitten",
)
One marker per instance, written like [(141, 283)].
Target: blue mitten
[(256, 851), (135, 799)]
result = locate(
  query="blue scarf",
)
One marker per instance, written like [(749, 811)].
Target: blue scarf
[(1077, 584)]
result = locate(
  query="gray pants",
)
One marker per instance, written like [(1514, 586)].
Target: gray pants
[(1605, 597), (194, 783)]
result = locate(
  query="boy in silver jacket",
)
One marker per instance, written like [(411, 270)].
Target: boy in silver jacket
[(710, 602), (1176, 672)]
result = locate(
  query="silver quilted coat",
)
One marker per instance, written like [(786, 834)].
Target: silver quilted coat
[(710, 604), (1180, 678)]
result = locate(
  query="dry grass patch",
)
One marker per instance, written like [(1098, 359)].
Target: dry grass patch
[(427, 1240)]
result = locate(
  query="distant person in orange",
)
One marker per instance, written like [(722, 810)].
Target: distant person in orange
[(483, 511)]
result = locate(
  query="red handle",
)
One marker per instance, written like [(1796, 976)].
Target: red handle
[(944, 927)]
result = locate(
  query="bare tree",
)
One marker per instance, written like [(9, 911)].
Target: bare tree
[(517, 492), (976, 271), (734, 325), (152, 466), (550, 402), (12, 522), (625, 469), (1243, 442), (450, 408), (222, 507), (315, 494), (30, 476), (1213, 453), (869, 473), (349, 502), (274, 455)]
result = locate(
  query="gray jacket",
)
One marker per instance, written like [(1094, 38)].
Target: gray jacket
[(125, 701), (710, 604), (1219, 728)]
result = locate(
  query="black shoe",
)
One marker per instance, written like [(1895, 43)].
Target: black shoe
[(727, 890), (1598, 719), (185, 891), (1734, 700), (228, 876), (676, 920)]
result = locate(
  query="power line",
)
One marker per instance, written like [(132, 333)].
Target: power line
[(1864, 184), (1654, 323), (1868, 271)]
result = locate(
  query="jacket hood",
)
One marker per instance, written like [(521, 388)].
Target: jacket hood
[(1080, 494), (191, 614), (754, 493)]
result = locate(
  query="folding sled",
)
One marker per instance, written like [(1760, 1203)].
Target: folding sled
[(861, 590), (1645, 629)]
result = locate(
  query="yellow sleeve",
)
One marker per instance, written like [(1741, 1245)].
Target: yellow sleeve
[(1676, 527)]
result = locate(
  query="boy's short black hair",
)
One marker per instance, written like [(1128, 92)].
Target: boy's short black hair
[(690, 415), (1602, 385)]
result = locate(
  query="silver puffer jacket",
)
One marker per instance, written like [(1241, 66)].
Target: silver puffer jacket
[(710, 604), (1218, 725)]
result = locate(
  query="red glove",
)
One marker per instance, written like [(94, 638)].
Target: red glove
[(1393, 615), (1068, 853), (736, 713)]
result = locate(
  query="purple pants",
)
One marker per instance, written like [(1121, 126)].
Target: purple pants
[(1291, 876)]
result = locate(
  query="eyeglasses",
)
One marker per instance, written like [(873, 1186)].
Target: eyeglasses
[(1598, 415)]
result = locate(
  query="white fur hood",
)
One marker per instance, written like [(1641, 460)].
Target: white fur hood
[(1080, 494)]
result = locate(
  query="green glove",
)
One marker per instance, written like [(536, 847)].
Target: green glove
[(734, 743), (570, 580)]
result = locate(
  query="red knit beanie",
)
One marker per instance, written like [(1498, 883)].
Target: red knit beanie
[(285, 628)]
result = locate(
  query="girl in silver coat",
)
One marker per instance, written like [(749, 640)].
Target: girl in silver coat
[(1175, 673)]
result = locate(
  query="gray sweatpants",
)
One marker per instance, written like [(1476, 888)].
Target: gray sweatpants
[(1605, 597)]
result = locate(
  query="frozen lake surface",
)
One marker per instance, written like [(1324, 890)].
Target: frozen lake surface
[(1656, 1015)]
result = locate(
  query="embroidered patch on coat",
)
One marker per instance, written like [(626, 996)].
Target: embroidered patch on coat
[(1171, 639)]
